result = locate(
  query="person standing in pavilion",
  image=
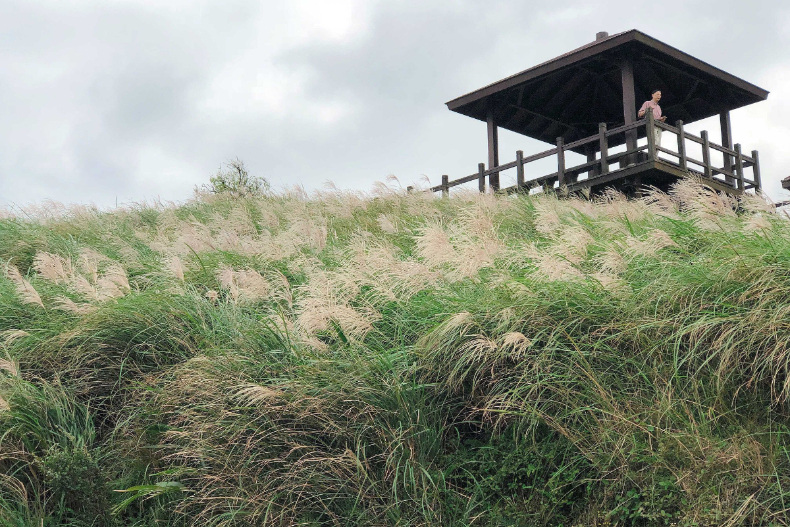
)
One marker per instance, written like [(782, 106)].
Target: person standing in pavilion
[(653, 104)]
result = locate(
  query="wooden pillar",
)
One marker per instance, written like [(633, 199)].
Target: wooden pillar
[(758, 184), (726, 142), (629, 105), (493, 150), (481, 177), (445, 186)]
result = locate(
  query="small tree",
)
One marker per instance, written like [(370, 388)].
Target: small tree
[(236, 181)]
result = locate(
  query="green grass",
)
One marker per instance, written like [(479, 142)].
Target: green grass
[(398, 360)]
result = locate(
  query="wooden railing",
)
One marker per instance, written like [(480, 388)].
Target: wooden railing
[(600, 165)]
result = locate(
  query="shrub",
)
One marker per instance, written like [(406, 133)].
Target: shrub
[(236, 181)]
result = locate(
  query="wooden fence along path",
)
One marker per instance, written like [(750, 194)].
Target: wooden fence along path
[(599, 169)]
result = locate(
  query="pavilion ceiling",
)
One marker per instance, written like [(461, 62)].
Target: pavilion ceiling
[(569, 96)]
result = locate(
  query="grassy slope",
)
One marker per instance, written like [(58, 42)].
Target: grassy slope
[(397, 360)]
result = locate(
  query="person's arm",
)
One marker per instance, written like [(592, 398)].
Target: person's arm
[(642, 110)]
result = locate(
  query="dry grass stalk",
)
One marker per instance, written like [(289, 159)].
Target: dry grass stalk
[(757, 203), (175, 266), (66, 304), (11, 366), (433, 246), (386, 225), (316, 315), (611, 261), (660, 203), (255, 394), (516, 342), (572, 243), (82, 286), (757, 222), (708, 206), (89, 262), (53, 267), (212, 296), (650, 244), (243, 285), (113, 283), (9, 336), (26, 292), (547, 216), (4, 406)]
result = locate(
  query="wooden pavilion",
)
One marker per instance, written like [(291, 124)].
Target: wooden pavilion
[(586, 102)]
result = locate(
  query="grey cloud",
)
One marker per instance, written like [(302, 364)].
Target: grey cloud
[(108, 100)]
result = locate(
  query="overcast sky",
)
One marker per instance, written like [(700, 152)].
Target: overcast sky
[(116, 101)]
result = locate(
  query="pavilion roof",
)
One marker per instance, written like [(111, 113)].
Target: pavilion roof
[(569, 95)]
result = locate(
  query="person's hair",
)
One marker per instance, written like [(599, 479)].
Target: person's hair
[(654, 91)]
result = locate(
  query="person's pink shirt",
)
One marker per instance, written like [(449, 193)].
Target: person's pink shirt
[(654, 105)]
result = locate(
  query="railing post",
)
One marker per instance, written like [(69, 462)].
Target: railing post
[(651, 134), (445, 186), (561, 161), (758, 184), (519, 169), (591, 159), (706, 154), (682, 147), (604, 147), (481, 178), (726, 142), (739, 166)]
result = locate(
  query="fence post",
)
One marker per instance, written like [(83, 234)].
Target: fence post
[(758, 184), (706, 154), (481, 178), (739, 165), (651, 135), (519, 169), (604, 147), (409, 189), (445, 186), (560, 161), (682, 147)]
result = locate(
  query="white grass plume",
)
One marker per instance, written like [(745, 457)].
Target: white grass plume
[(53, 267), (175, 267), (9, 336), (10, 366), (255, 394), (26, 292), (66, 304), (243, 285)]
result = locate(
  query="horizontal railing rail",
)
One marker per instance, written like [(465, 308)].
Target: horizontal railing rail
[(735, 161)]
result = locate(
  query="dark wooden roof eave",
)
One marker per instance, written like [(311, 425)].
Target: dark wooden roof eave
[(596, 48)]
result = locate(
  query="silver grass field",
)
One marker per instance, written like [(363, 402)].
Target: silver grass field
[(397, 359)]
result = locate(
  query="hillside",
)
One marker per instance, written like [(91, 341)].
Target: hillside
[(397, 359)]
